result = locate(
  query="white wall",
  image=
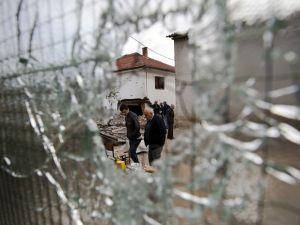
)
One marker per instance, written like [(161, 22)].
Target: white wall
[(140, 83), (167, 94), (131, 84)]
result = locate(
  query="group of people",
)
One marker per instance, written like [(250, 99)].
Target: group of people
[(167, 113), (160, 121)]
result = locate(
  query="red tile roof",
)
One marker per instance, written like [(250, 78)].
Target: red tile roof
[(136, 60)]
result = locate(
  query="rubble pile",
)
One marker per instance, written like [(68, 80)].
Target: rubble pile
[(117, 120), (115, 129), (115, 141)]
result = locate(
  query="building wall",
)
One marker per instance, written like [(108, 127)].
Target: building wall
[(185, 96), (167, 94), (250, 60), (140, 83), (131, 84), (282, 201), (250, 63)]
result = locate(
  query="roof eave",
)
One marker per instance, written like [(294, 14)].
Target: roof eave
[(130, 68), (146, 67)]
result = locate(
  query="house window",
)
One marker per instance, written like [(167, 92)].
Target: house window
[(159, 83)]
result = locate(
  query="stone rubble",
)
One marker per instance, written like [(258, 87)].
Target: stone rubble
[(115, 132), (116, 129)]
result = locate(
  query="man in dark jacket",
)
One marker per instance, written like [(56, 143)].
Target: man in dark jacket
[(164, 108), (155, 134), (156, 108), (133, 131), (170, 121)]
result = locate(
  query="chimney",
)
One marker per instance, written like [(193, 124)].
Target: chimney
[(145, 51)]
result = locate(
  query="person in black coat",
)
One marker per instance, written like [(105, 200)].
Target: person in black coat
[(133, 131), (164, 108), (170, 121), (155, 134), (156, 108)]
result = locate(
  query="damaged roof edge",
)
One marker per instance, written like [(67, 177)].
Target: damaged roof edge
[(178, 35)]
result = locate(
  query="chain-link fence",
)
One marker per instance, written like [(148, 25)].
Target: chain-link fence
[(44, 69)]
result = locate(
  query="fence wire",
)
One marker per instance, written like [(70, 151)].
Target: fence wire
[(45, 47)]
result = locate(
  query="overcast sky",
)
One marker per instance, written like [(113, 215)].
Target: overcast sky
[(155, 39)]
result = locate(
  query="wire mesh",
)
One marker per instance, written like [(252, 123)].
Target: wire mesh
[(41, 48)]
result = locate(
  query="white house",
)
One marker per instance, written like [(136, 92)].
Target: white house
[(142, 77)]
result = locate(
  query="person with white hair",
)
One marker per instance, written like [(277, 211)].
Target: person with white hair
[(155, 134)]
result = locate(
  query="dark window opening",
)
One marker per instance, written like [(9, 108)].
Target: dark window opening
[(135, 105), (159, 83), (137, 109)]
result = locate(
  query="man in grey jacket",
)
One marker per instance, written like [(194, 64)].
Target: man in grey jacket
[(133, 131)]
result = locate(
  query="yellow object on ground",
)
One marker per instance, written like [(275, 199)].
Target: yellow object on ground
[(121, 164)]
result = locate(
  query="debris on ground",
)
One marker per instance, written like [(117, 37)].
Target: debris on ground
[(114, 137), (116, 130)]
